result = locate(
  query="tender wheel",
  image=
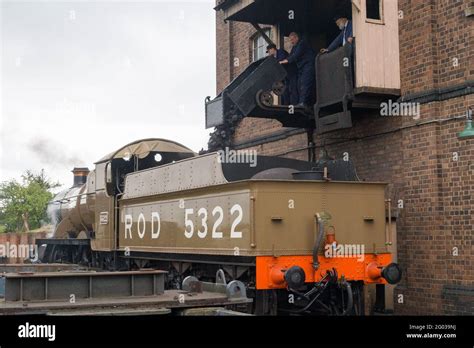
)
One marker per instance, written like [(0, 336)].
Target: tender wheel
[(278, 88), (266, 98)]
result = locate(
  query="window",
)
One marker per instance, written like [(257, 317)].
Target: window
[(374, 9), (259, 45)]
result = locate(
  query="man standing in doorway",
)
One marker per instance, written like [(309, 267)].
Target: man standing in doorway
[(303, 56), (344, 37)]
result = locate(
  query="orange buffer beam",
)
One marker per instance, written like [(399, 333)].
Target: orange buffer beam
[(271, 270)]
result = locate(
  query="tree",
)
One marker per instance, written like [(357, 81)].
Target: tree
[(23, 205)]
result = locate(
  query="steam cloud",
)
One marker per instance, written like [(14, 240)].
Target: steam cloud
[(51, 153)]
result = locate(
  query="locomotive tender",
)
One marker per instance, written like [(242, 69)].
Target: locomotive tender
[(299, 246)]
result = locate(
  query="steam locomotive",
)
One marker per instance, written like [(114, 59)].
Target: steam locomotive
[(304, 238)]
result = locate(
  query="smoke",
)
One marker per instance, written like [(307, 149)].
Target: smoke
[(53, 214), (53, 154)]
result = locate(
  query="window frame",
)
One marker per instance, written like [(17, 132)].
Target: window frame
[(380, 21), (255, 38)]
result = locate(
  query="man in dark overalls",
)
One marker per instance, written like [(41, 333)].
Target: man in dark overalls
[(303, 55), (290, 96)]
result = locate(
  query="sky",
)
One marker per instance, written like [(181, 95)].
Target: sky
[(80, 79)]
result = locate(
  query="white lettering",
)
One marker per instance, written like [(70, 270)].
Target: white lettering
[(128, 225), (155, 217), (188, 223), (233, 233), (217, 210), (141, 231)]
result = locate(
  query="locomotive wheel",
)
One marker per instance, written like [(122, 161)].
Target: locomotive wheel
[(278, 88), (266, 98)]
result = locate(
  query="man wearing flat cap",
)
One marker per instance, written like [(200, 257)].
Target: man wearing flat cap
[(345, 36), (278, 53)]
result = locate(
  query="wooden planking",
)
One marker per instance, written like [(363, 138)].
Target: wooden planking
[(377, 47), (359, 33), (392, 46)]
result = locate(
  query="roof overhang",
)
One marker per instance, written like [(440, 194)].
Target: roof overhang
[(253, 11), (309, 15)]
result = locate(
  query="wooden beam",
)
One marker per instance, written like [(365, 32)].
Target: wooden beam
[(356, 4), (262, 32)]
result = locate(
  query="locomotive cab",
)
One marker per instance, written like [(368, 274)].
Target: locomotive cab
[(110, 174), (137, 156), (117, 168)]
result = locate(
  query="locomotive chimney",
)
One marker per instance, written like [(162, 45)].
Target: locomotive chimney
[(80, 175)]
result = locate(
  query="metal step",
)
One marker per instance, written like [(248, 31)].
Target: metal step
[(46, 286), (37, 267)]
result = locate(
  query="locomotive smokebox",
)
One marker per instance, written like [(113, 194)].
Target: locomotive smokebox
[(80, 175)]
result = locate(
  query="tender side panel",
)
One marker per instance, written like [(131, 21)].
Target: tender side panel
[(191, 173), (216, 223), (255, 218), (285, 215)]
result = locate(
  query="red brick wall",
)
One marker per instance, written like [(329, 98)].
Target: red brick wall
[(414, 156), (437, 216), (438, 208)]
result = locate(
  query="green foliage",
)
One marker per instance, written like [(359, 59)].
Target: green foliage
[(23, 205)]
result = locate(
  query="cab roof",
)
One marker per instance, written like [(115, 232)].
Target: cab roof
[(141, 149)]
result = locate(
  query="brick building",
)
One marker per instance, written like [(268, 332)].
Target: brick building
[(429, 168)]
